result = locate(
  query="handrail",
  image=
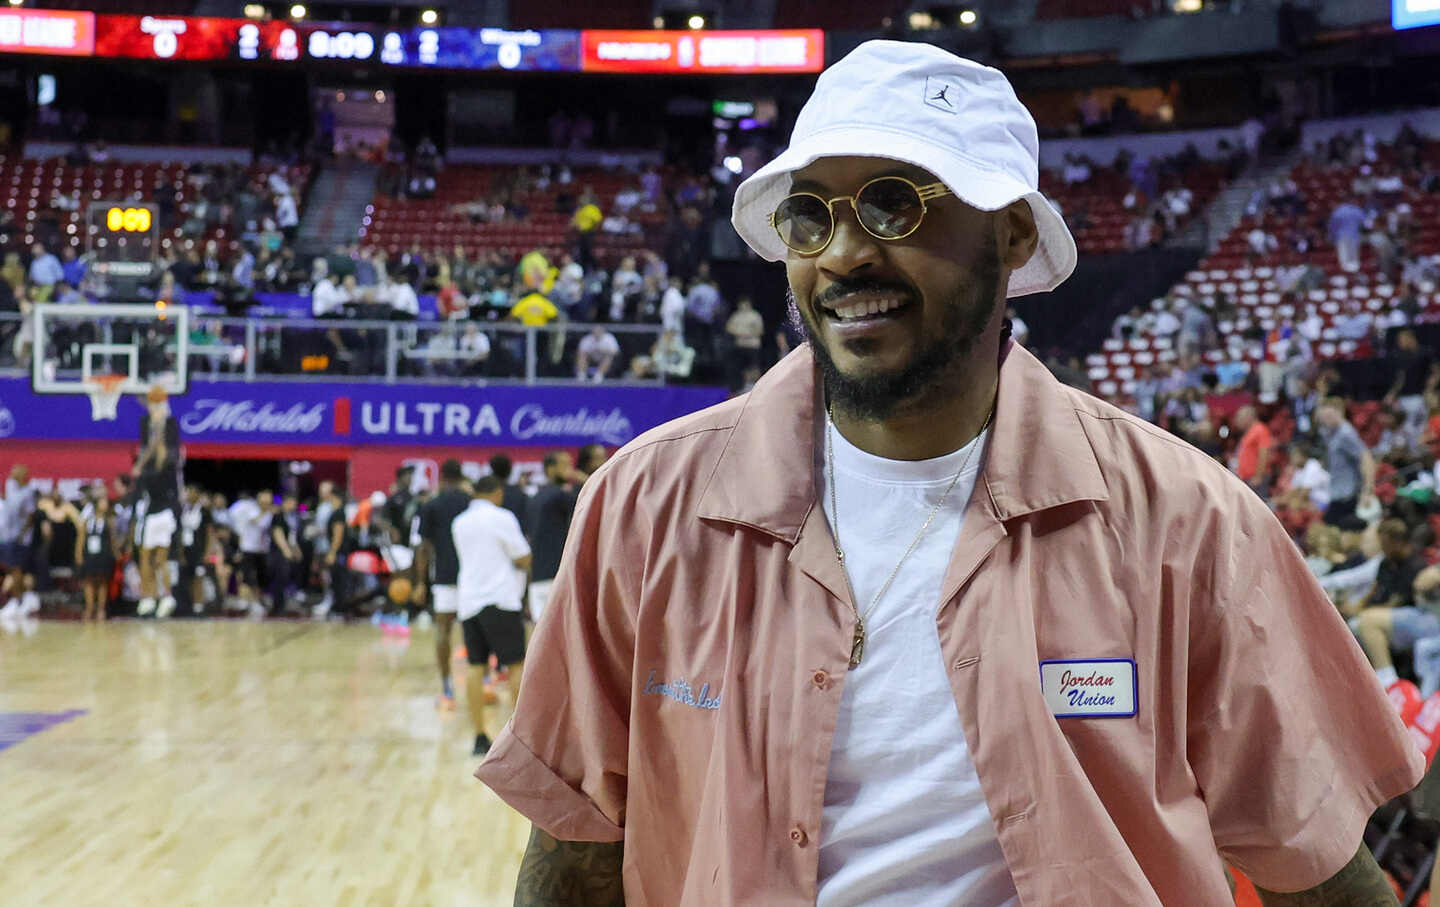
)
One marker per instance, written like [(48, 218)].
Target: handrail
[(394, 351)]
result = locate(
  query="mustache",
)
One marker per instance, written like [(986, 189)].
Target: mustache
[(842, 288)]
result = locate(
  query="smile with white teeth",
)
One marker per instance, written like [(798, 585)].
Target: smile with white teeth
[(866, 308)]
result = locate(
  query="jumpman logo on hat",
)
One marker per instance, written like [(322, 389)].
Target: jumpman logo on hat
[(937, 95)]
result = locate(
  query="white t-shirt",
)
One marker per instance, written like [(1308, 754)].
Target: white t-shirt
[(905, 821), (327, 298), (595, 348), (488, 540), (672, 311), (250, 524)]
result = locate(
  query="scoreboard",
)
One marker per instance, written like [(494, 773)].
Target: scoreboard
[(280, 41), (122, 239)]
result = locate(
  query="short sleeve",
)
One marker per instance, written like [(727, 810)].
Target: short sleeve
[(562, 760), (1290, 736), (513, 537)]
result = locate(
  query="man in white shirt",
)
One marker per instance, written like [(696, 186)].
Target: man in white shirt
[(494, 558), (672, 307), (250, 519), (15, 510), (596, 354), (327, 299), (400, 295)]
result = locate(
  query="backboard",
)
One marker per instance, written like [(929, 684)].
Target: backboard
[(146, 344)]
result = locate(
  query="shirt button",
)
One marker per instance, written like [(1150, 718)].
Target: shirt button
[(820, 678), (797, 834)]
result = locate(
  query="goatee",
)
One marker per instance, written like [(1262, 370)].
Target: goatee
[(878, 397)]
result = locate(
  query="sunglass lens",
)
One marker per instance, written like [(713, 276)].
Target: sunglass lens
[(803, 222), (890, 208)]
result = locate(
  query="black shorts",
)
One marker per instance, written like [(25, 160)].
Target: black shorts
[(252, 569), (494, 630)]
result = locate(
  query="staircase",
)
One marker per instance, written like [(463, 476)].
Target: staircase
[(336, 206), (1228, 208)]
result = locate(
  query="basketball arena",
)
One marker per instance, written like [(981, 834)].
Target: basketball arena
[(709, 452)]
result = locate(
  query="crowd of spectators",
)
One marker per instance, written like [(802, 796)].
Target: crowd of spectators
[(1345, 448)]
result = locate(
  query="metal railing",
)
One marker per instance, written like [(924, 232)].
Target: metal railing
[(346, 349)]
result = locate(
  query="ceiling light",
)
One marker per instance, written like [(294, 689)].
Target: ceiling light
[(429, 17), (254, 11), (921, 20), (968, 17), (696, 22), (298, 11)]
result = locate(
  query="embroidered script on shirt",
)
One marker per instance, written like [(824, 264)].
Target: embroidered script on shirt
[(681, 692)]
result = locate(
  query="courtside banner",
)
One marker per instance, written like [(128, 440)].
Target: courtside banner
[(316, 413)]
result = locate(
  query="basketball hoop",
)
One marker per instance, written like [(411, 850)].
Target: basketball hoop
[(104, 391)]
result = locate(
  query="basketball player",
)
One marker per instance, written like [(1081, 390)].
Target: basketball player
[(493, 559), (913, 622), (157, 486), (438, 566)]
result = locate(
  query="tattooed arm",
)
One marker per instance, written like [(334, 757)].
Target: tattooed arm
[(570, 874), (1360, 884)]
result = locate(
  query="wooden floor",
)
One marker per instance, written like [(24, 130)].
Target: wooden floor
[(227, 762)]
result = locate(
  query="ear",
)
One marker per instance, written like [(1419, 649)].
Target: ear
[(1018, 235)]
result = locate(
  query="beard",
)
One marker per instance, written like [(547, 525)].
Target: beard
[(966, 313)]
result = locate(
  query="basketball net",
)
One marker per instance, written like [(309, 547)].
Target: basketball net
[(104, 391)]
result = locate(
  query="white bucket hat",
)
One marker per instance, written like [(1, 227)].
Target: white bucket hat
[(924, 106)]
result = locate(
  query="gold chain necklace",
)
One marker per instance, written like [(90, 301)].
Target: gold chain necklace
[(857, 644)]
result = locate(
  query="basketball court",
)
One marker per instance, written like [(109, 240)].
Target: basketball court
[(226, 762)]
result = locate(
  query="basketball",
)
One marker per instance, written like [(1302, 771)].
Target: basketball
[(400, 590)]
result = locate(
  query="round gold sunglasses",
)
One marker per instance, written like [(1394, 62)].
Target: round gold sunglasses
[(887, 207)]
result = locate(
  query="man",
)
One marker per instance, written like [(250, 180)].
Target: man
[(197, 534), (15, 511), (1387, 616), (1413, 366), (672, 306), (493, 557), (157, 488), (1348, 460), (328, 300), (336, 533), (746, 328), (703, 309), (596, 354), (589, 458), (250, 520), (748, 691), (515, 501), (550, 513), (1252, 454), (45, 272), (438, 565), (282, 566), (1346, 223)]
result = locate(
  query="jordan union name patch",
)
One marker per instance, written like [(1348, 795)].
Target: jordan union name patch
[(1093, 688)]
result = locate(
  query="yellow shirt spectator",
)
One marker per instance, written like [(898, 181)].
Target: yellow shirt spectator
[(534, 311), (587, 217)]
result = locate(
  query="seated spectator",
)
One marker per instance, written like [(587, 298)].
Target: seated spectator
[(596, 354), (400, 297), (450, 304), (328, 300), (1387, 616), (672, 357)]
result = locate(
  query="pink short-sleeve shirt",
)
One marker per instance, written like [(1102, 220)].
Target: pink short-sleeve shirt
[(682, 689)]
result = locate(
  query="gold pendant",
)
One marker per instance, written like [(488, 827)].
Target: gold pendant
[(857, 645)]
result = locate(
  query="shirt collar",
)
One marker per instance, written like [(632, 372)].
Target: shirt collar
[(1039, 456)]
